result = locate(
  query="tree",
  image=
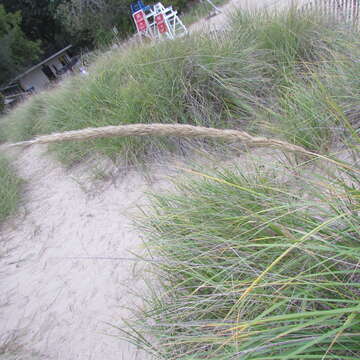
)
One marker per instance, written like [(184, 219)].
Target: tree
[(39, 22), (82, 23), (17, 51), (90, 20)]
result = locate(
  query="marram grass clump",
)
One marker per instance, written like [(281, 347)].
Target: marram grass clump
[(10, 186), (260, 266)]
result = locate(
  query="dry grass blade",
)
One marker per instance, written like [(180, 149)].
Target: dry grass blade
[(187, 131)]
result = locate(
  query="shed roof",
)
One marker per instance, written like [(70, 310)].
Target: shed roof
[(41, 63), (8, 87)]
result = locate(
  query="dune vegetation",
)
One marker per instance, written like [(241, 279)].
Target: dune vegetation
[(10, 186), (263, 264), (245, 265), (285, 75), (253, 266)]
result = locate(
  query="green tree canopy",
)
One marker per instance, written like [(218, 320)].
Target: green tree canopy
[(17, 51), (39, 23), (90, 21), (58, 23)]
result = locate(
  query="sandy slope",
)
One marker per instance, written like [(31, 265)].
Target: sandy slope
[(219, 21), (59, 303)]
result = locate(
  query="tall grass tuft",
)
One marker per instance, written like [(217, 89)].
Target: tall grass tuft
[(289, 37), (10, 186), (254, 266), (305, 117), (24, 122), (319, 111)]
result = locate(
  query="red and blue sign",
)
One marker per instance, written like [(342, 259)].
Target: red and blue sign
[(140, 21), (160, 22)]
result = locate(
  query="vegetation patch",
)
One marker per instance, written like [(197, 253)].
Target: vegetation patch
[(24, 121), (259, 265), (262, 75), (263, 264), (10, 186), (254, 267)]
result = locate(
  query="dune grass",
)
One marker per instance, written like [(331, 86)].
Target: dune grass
[(253, 76), (260, 265), (321, 110), (10, 186), (24, 121), (264, 264), (254, 266), (173, 82)]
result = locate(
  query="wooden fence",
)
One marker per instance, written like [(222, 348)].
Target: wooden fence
[(346, 11)]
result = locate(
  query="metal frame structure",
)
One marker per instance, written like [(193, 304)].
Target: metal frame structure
[(157, 22)]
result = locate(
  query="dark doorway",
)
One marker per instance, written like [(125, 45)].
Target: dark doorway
[(48, 72), (63, 59)]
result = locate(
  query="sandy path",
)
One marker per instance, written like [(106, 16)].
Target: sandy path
[(219, 21), (60, 304)]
